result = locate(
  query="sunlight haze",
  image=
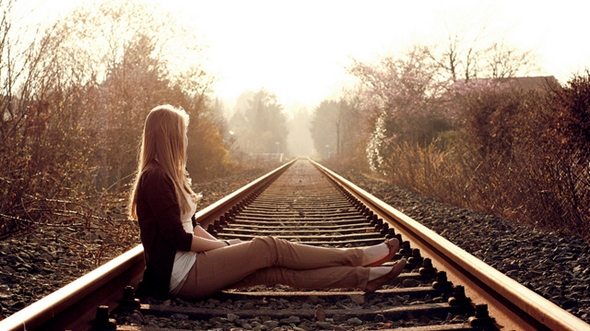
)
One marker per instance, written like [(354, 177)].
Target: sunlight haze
[(299, 50)]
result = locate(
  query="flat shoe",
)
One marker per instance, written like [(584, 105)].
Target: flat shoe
[(393, 245), (397, 268)]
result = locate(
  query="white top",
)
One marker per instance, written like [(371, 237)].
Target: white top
[(183, 261)]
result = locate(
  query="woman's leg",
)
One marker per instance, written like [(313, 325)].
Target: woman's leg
[(220, 268), (321, 278), (366, 278)]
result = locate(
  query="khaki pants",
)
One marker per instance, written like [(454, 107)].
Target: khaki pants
[(270, 261)]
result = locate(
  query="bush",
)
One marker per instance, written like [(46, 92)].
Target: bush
[(521, 154), (71, 118)]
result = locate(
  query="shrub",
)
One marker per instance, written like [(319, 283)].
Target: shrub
[(521, 154)]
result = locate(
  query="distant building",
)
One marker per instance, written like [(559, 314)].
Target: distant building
[(525, 83), (531, 83)]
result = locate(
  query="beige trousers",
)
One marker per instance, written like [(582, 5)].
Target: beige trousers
[(270, 261)]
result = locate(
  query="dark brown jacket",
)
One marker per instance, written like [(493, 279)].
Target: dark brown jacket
[(161, 230)]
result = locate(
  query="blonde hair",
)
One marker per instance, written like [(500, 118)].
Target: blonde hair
[(164, 141)]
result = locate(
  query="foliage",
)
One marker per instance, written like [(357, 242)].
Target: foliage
[(521, 154), (299, 140), (572, 111), (261, 127), (335, 130), (454, 123), (407, 99), (208, 157), (325, 128), (401, 99), (74, 101)]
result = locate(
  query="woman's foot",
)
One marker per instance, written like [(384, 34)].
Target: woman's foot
[(377, 255), (375, 284)]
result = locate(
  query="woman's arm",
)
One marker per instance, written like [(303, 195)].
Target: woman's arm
[(204, 241), (200, 232), (200, 244)]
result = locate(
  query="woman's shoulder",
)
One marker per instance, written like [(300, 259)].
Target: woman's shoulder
[(153, 173), (153, 168)]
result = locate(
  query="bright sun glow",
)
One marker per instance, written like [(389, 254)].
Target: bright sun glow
[(298, 49)]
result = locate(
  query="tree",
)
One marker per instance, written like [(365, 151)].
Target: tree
[(506, 61), (41, 116), (337, 130), (401, 99), (465, 58), (135, 55), (525, 151), (299, 139), (75, 99), (325, 128), (261, 127)]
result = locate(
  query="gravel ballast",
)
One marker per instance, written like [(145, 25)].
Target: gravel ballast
[(555, 265), (552, 264)]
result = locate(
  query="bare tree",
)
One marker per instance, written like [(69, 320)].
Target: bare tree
[(505, 61), (458, 57), (466, 56)]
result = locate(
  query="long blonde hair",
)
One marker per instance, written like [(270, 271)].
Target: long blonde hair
[(164, 141)]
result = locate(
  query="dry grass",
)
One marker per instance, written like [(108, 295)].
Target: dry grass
[(519, 154)]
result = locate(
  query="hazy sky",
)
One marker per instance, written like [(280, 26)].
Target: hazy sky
[(297, 49)]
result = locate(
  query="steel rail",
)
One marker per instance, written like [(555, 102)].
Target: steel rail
[(74, 306), (505, 296), (212, 212)]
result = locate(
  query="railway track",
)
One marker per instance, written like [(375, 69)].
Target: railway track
[(441, 288)]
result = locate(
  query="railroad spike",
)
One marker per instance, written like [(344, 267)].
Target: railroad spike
[(374, 219), (384, 229), (482, 317), (390, 233), (211, 230), (376, 228), (102, 322), (217, 225), (459, 298), (406, 249), (416, 256), (427, 268), (441, 281), (129, 301)]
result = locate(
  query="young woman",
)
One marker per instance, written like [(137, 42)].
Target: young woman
[(184, 260)]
